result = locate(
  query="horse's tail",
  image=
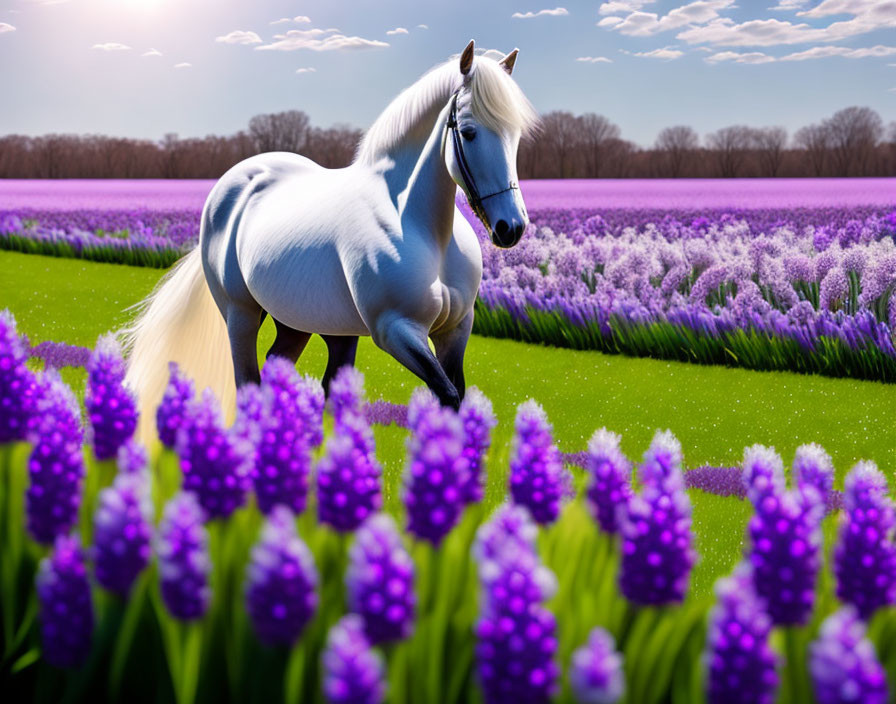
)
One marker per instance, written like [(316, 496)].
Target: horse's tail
[(178, 322)]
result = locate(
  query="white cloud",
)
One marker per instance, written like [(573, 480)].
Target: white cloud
[(183, 65), (111, 46), (667, 54), (611, 8), (239, 36), (609, 21), (823, 52), (47, 2), (752, 57), (789, 5), (298, 19), (556, 12), (5, 27), (319, 40), (594, 60), (397, 30), (422, 26), (306, 69), (642, 24), (152, 52)]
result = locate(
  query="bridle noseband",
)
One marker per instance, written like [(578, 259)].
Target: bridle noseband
[(466, 174)]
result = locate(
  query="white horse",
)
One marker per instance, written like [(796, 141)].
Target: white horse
[(377, 248)]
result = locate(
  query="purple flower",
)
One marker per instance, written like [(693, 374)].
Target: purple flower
[(843, 664), (610, 483), (655, 527), (812, 467), (348, 475), (281, 581), (478, 419), (538, 479), (18, 387), (436, 473), (299, 399), (380, 581), (66, 605), (740, 664), (122, 532), (346, 392), (56, 464), (785, 537), (516, 635), (132, 457), (215, 463), (510, 523), (170, 413), (865, 555), (595, 673), (385, 413), (352, 672), (110, 406), (184, 566)]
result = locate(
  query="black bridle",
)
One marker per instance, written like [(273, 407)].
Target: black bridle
[(466, 175)]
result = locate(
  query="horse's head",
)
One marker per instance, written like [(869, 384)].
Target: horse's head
[(486, 118)]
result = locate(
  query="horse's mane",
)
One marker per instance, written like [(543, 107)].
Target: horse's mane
[(496, 101)]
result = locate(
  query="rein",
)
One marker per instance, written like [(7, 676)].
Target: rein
[(466, 174)]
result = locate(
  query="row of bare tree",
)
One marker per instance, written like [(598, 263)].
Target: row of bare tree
[(853, 142)]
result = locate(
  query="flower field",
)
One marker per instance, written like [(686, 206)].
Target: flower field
[(777, 276), (178, 577)]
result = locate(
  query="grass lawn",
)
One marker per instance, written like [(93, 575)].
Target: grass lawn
[(714, 411)]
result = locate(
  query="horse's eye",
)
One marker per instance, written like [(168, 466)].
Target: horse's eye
[(468, 133)]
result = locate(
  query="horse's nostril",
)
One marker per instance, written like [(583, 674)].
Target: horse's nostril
[(518, 229), (501, 228)]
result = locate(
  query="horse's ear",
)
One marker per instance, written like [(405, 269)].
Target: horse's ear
[(466, 59), (508, 61)]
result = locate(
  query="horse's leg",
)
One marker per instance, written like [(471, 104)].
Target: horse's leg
[(341, 351), (289, 343), (407, 342), (450, 346), (242, 329)]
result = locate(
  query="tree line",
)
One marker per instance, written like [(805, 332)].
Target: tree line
[(852, 142)]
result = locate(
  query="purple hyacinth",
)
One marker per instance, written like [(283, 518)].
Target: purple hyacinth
[(216, 464), (655, 526), (132, 457), (170, 413), (865, 555), (516, 635), (843, 663), (610, 483), (18, 386), (509, 523), (281, 581), (740, 663), (300, 399), (122, 532), (348, 476), (111, 408), (812, 467), (184, 565), (380, 581), (435, 474), (538, 479), (595, 673), (66, 605), (478, 419), (346, 393), (352, 672), (56, 464), (785, 537)]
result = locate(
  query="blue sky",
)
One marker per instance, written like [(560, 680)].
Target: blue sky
[(143, 68)]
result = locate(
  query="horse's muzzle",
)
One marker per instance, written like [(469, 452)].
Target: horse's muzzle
[(507, 234)]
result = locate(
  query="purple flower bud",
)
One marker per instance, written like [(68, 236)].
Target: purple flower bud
[(18, 386), (610, 485), (132, 458), (384, 413), (122, 532), (110, 406), (595, 673), (785, 536), (66, 605), (813, 468), (478, 419), (215, 463), (740, 663), (346, 393), (170, 413), (843, 663), (422, 401), (435, 474), (380, 581), (510, 523), (655, 526), (516, 635), (184, 566), (352, 672), (298, 399), (538, 479), (56, 465), (281, 581), (865, 555), (348, 475)]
